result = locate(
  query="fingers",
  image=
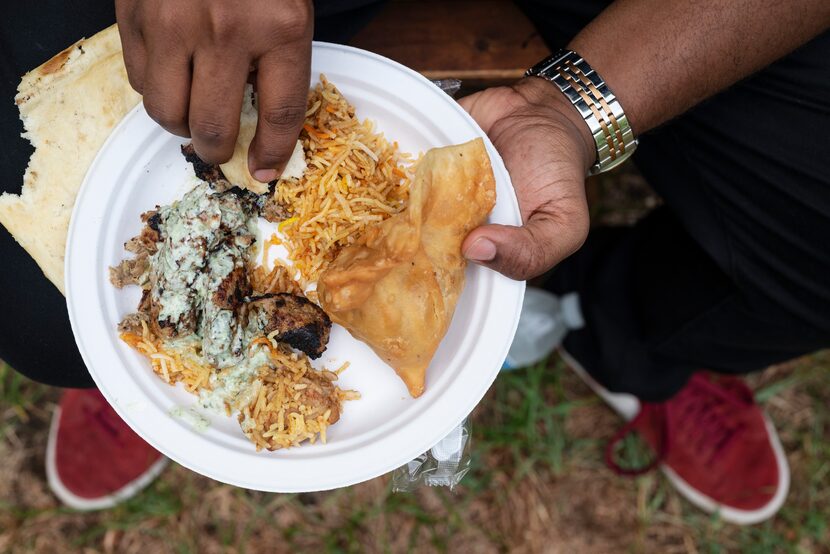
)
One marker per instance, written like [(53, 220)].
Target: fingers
[(468, 101), (190, 60), (283, 78), (479, 105), (541, 151), (215, 103), (471, 105), (132, 44), (158, 68), (525, 252), (166, 86)]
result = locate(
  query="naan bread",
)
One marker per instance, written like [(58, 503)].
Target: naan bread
[(396, 288), (236, 169), (69, 106)]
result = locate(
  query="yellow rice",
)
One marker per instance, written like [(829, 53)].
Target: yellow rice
[(291, 402), (355, 178), (172, 366), (279, 279)]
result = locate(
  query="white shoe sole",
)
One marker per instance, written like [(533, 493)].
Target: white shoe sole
[(628, 406), (86, 504)]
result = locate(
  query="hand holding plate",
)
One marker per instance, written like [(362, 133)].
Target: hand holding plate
[(547, 150)]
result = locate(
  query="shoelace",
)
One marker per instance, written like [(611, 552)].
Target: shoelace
[(705, 422)]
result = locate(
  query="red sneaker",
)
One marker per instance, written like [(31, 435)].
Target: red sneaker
[(714, 444), (93, 459)]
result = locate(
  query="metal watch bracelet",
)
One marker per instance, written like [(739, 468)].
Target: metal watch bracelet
[(597, 105)]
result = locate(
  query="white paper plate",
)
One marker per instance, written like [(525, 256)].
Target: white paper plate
[(140, 166)]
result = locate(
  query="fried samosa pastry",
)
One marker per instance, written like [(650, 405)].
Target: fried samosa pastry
[(396, 288)]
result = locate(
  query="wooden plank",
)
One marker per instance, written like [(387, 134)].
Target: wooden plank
[(479, 40)]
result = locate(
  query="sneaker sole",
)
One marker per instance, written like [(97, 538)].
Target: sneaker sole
[(89, 504), (627, 406)]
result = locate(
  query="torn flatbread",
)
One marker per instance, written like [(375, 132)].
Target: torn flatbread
[(236, 170), (69, 106)]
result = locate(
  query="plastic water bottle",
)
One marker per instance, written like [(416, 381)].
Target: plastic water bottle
[(545, 320)]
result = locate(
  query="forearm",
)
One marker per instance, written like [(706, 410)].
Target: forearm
[(661, 57)]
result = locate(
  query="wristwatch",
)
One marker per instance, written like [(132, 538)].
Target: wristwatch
[(596, 103)]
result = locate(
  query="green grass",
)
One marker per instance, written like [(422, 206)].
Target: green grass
[(19, 397), (16, 392), (633, 453), (521, 440), (528, 420)]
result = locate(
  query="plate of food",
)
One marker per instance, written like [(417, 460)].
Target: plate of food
[(309, 333)]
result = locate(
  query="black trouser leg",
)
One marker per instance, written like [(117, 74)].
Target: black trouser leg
[(35, 337), (732, 274), (658, 308)]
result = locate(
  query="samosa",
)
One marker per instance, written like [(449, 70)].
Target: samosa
[(396, 288)]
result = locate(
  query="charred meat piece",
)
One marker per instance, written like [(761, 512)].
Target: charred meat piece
[(272, 210), (184, 324), (152, 219), (145, 303), (232, 289), (209, 173), (298, 322), (226, 285), (147, 241)]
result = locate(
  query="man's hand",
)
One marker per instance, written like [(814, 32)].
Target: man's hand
[(547, 149), (190, 59), (683, 52)]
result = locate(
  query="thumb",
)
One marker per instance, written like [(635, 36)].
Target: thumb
[(528, 251)]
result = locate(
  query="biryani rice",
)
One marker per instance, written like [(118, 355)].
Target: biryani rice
[(281, 278), (355, 178), (291, 402), (172, 365)]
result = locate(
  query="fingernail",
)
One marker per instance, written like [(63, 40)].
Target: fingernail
[(482, 250), (265, 175)]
